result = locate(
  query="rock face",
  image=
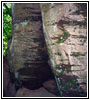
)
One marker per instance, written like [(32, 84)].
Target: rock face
[(51, 86), (65, 31), (41, 92), (65, 34), (8, 86), (27, 52)]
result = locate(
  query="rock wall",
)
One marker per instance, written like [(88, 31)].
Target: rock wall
[(8, 85), (65, 31), (65, 34), (27, 52), (41, 92)]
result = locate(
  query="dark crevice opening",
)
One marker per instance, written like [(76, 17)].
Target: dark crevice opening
[(45, 73)]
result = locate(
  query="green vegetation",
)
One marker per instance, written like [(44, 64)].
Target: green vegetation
[(69, 84), (60, 41), (7, 24), (65, 33), (63, 37)]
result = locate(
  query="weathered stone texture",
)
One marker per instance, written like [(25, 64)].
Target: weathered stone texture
[(8, 86), (65, 32), (41, 92), (27, 49)]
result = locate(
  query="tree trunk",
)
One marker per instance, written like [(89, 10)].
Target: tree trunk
[(65, 33)]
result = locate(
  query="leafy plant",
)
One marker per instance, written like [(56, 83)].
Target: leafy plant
[(63, 38), (60, 41), (65, 33), (69, 84), (7, 24)]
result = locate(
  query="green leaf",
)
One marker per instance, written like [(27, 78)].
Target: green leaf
[(60, 41), (4, 38), (65, 33), (4, 52), (74, 81), (7, 24)]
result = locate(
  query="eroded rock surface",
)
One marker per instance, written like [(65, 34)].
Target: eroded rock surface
[(8, 87), (51, 86), (65, 31), (64, 27), (27, 52), (41, 92)]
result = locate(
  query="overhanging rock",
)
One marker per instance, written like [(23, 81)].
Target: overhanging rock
[(65, 33)]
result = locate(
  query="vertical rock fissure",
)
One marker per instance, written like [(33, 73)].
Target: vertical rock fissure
[(28, 54), (64, 37), (51, 56)]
